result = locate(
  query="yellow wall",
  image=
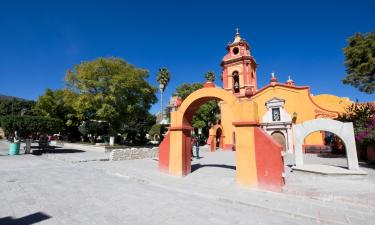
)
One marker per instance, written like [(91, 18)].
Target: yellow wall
[(332, 102), (297, 100)]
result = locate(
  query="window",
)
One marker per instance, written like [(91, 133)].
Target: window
[(236, 82), (275, 114)]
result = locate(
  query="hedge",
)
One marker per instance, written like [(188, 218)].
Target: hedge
[(29, 125)]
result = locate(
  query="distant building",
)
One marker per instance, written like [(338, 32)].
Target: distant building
[(172, 106)]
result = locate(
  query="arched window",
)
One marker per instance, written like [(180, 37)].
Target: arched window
[(236, 82)]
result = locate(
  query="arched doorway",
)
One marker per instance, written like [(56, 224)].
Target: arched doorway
[(218, 137), (279, 138), (344, 131), (258, 160)]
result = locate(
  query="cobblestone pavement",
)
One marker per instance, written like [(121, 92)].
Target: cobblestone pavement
[(37, 188)]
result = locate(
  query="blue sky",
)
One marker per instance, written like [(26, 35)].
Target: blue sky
[(41, 40)]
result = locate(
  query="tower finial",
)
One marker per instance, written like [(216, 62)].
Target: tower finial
[(237, 38)]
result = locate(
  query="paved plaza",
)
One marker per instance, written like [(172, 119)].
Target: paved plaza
[(82, 187)]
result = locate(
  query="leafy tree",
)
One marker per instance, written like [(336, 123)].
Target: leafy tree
[(360, 62), (210, 76), (15, 106), (59, 104), (111, 90), (363, 118), (206, 113), (157, 130), (29, 125), (93, 127), (135, 131)]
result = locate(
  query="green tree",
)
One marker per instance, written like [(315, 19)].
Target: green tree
[(156, 132), (206, 114), (29, 125), (363, 118), (15, 106), (111, 90), (163, 78), (360, 62), (59, 104), (135, 131)]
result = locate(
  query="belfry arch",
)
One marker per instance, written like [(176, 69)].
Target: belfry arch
[(174, 151)]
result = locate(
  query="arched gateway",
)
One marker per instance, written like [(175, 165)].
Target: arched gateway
[(344, 130), (258, 160)]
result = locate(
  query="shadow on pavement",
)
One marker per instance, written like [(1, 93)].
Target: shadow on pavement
[(195, 167), (370, 165), (63, 151), (26, 220), (330, 155)]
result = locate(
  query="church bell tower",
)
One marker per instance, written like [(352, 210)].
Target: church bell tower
[(239, 68)]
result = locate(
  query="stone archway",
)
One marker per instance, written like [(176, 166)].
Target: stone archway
[(344, 131), (258, 162)]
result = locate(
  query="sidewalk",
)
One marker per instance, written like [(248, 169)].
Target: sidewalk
[(214, 179), (62, 153)]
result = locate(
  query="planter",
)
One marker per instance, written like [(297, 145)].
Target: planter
[(14, 149)]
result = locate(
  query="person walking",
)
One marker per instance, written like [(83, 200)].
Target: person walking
[(197, 142), (192, 146)]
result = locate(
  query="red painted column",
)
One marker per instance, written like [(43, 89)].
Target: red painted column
[(269, 161), (164, 154)]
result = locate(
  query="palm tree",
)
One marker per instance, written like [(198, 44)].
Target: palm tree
[(163, 78), (210, 76)]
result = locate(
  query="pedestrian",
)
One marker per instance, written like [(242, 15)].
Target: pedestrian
[(192, 146), (197, 142)]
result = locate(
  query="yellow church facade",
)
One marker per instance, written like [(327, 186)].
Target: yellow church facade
[(279, 104)]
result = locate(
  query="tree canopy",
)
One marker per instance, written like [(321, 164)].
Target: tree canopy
[(29, 125), (15, 106), (111, 90), (360, 62)]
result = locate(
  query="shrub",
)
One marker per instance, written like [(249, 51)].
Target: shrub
[(157, 130), (30, 125)]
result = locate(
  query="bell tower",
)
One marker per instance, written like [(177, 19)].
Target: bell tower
[(239, 68)]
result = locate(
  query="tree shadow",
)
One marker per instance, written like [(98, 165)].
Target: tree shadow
[(63, 151), (331, 155), (197, 166), (26, 220)]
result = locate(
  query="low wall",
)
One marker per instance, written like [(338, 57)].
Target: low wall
[(133, 153)]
